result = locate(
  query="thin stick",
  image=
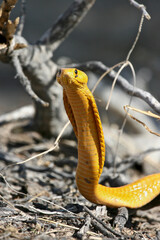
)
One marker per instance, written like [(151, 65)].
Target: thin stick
[(142, 123), (99, 68), (42, 153), (65, 225), (134, 85), (141, 7), (105, 73), (22, 18), (47, 151), (136, 39), (114, 82), (125, 118), (6, 201), (24, 80), (101, 222)]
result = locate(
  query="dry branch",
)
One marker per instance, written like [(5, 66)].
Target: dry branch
[(22, 18), (7, 31), (141, 7), (24, 81), (39, 68), (22, 113), (66, 23), (102, 223), (99, 68)]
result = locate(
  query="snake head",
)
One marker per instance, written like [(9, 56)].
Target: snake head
[(71, 77)]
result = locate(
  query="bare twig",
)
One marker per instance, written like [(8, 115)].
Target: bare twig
[(49, 150), (99, 68), (114, 82), (141, 122), (10, 204), (125, 64), (125, 117), (102, 230), (105, 74), (43, 153), (101, 222), (24, 80), (141, 7), (66, 23), (65, 225), (85, 228), (22, 18), (22, 113), (136, 39), (56, 213), (121, 218)]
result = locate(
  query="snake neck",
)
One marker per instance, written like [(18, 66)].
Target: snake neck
[(89, 151)]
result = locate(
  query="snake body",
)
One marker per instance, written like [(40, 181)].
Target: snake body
[(82, 111)]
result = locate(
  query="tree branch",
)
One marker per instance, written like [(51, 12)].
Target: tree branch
[(36, 67), (24, 81), (100, 68), (141, 7), (22, 18), (66, 23), (41, 70)]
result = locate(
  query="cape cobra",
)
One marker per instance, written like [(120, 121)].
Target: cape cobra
[(83, 114)]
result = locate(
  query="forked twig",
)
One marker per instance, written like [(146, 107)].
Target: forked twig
[(55, 144), (105, 74), (24, 80), (22, 18), (125, 117), (136, 39), (114, 82), (141, 7), (126, 108), (101, 222)]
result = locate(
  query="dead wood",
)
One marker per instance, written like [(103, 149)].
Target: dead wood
[(36, 70)]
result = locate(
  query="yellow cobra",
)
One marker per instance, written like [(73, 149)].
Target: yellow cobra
[(83, 113)]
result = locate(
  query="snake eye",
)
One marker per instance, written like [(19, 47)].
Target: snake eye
[(76, 73)]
